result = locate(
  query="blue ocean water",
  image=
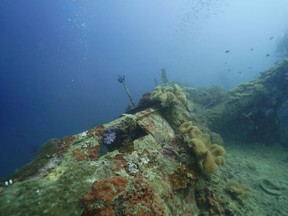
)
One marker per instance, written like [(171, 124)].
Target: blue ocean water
[(59, 60)]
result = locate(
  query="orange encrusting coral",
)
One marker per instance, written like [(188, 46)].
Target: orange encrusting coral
[(97, 131), (183, 176), (90, 152), (64, 143), (135, 195), (99, 200), (143, 200), (119, 163)]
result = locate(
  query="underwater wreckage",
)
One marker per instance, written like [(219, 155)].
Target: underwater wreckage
[(164, 157)]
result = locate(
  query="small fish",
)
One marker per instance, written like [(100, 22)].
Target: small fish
[(229, 70), (227, 51), (225, 63), (240, 72), (271, 38), (251, 49), (267, 55)]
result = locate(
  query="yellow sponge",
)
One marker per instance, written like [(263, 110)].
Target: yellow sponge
[(211, 155), (198, 146), (168, 95), (209, 164)]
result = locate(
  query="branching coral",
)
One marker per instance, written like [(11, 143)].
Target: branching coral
[(208, 154)]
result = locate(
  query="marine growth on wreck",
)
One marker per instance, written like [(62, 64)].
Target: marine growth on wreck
[(159, 158)]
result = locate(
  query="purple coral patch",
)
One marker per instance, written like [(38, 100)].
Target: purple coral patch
[(109, 135)]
